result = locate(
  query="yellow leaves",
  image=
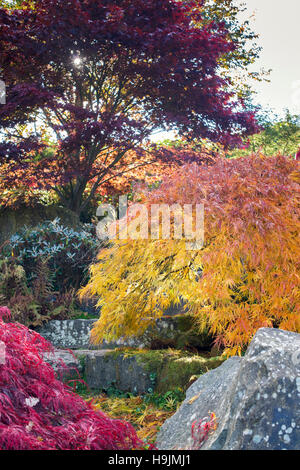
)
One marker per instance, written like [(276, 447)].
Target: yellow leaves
[(245, 277), (292, 323), (295, 176), (147, 419), (233, 351), (229, 282), (193, 399)]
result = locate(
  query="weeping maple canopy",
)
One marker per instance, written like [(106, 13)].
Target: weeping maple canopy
[(98, 76), (245, 277)]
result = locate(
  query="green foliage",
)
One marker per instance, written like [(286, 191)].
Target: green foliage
[(167, 401), (278, 137), (22, 196), (41, 269), (236, 64), (11, 4), (201, 146), (65, 251)]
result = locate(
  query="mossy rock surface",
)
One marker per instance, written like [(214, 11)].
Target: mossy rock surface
[(177, 331), (136, 371), (170, 368)]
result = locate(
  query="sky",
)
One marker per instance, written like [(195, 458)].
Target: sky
[(277, 23)]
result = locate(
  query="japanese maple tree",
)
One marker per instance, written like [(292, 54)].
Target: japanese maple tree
[(245, 276), (39, 412), (96, 77)]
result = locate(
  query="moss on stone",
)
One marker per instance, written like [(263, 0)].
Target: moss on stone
[(182, 333), (178, 372), (81, 359), (184, 322), (172, 368)]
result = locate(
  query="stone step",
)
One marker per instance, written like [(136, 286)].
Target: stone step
[(134, 371)]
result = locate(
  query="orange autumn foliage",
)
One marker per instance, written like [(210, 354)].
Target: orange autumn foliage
[(152, 166), (245, 277), (24, 186)]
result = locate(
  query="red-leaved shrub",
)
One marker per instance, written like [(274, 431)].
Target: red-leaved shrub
[(38, 412)]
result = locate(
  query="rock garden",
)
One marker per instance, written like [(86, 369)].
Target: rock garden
[(149, 287)]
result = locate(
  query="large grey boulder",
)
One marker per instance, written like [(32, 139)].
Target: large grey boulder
[(256, 399)]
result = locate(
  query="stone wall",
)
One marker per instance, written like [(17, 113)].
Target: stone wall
[(133, 371), (176, 332), (129, 364)]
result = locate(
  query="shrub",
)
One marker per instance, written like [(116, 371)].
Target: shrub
[(38, 412), (24, 196), (34, 304), (245, 277), (278, 136), (66, 251)]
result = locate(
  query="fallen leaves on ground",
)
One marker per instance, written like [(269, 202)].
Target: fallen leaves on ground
[(146, 418)]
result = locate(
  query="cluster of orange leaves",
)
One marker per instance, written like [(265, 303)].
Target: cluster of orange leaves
[(150, 167), (25, 185), (22, 185), (245, 277)]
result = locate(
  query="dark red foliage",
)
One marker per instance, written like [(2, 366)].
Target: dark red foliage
[(104, 74), (38, 412), (172, 67)]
